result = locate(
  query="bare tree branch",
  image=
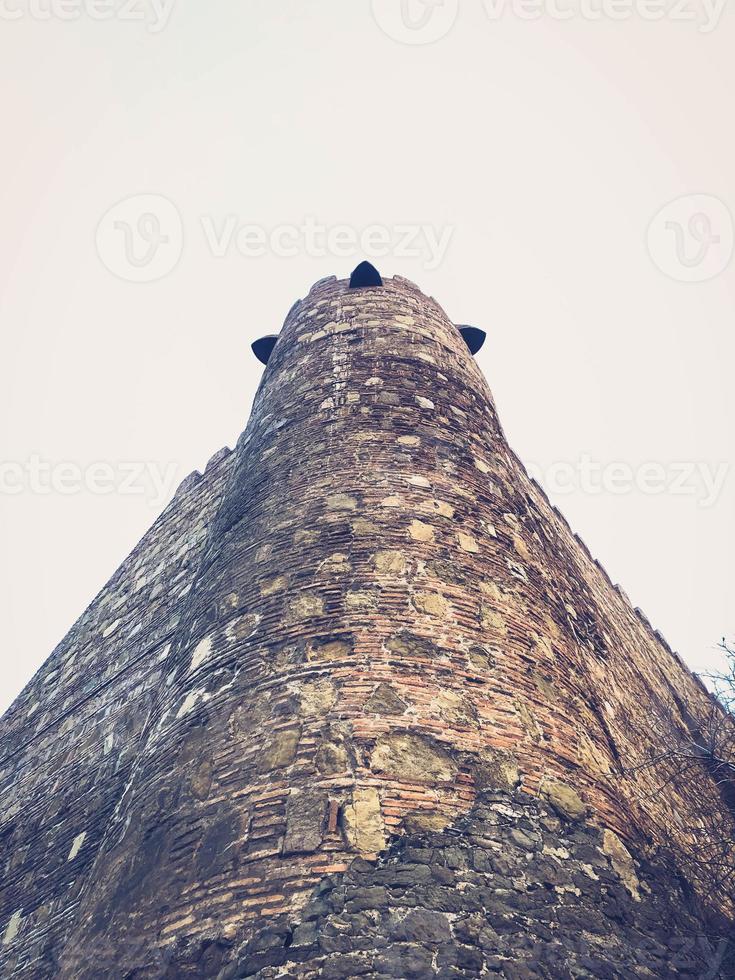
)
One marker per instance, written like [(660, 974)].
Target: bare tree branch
[(691, 750)]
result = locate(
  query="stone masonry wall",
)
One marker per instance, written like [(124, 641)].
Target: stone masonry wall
[(383, 621), (69, 742), (514, 888)]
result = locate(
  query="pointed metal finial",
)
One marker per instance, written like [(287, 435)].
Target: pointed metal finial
[(365, 275)]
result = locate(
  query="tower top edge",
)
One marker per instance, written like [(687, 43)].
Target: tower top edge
[(346, 284), (334, 286)]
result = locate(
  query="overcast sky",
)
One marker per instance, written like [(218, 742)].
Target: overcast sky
[(175, 176)]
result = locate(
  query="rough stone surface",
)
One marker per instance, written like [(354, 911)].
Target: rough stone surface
[(564, 799), (363, 821), (508, 891), (280, 726), (621, 861)]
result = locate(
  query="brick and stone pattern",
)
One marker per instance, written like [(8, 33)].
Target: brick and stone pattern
[(515, 888), (69, 743), (358, 637)]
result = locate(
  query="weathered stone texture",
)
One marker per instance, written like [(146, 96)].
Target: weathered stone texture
[(510, 890), (70, 741), (355, 627)]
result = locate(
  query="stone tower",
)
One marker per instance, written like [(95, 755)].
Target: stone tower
[(359, 704)]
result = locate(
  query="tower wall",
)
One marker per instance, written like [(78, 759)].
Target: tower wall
[(69, 742), (386, 631)]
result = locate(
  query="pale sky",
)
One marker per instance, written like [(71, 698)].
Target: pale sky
[(519, 170)]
